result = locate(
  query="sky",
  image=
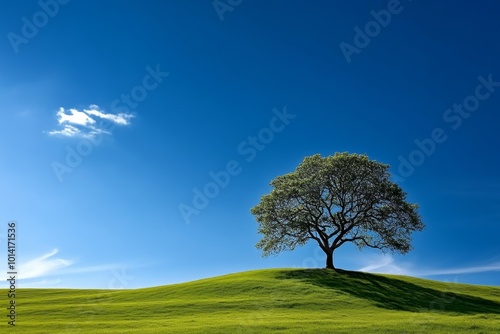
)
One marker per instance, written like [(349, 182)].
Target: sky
[(136, 136)]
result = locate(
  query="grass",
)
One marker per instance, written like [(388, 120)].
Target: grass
[(266, 301)]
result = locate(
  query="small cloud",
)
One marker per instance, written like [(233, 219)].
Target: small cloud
[(462, 270), (42, 266), (122, 119), (74, 117), (68, 131), (76, 123), (47, 270), (385, 264)]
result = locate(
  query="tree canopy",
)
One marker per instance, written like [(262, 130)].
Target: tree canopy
[(333, 200)]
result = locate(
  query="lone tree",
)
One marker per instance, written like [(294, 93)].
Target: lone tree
[(334, 200)]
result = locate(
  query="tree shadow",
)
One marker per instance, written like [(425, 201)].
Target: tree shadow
[(393, 293)]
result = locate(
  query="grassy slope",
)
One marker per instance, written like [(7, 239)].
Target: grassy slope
[(266, 301)]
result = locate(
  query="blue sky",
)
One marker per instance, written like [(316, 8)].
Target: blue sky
[(116, 115)]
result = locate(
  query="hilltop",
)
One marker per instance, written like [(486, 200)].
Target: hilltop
[(267, 301)]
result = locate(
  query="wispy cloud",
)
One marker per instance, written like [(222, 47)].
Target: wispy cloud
[(74, 117), (42, 266), (83, 123), (122, 119), (49, 265), (67, 130), (462, 270), (386, 264)]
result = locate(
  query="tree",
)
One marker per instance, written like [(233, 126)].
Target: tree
[(334, 200)]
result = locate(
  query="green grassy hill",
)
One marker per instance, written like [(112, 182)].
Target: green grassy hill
[(266, 301)]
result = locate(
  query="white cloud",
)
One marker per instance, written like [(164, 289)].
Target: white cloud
[(68, 130), (462, 270), (47, 265), (50, 269), (42, 266), (74, 117), (76, 123), (385, 264), (47, 270), (122, 119)]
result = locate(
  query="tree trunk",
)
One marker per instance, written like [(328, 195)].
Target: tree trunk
[(329, 260)]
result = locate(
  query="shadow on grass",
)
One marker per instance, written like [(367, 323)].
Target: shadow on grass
[(392, 293)]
